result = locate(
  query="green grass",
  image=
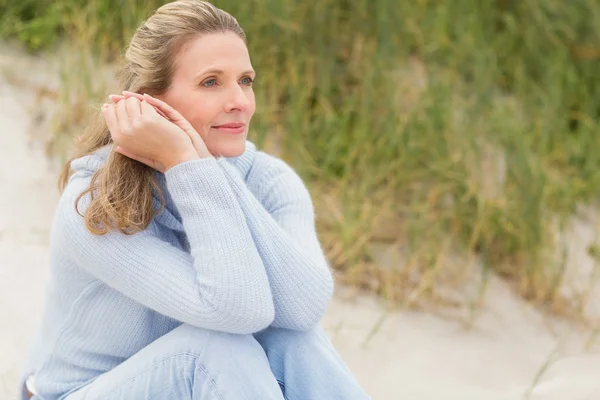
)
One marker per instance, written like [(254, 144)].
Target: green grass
[(472, 126)]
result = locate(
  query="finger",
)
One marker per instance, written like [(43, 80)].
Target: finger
[(128, 94), (147, 109), (115, 98), (169, 111), (134, 109), (162, 114), (175, 117), (122, 116), (181, 122), (110, 116)]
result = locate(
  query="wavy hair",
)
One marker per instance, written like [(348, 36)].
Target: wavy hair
[(121, 191)]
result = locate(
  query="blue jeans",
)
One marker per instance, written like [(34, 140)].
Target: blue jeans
[(198, 364)]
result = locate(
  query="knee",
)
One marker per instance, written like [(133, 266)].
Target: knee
[(197, 341), (186, 339), (232, 363), (273, 339)]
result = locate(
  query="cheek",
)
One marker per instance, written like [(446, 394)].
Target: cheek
[(201, 114), (252, 106)]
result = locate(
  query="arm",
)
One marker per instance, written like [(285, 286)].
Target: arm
[(281, 219), (220, 285)]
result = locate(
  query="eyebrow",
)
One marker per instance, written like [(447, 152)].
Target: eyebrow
[(221, 72)]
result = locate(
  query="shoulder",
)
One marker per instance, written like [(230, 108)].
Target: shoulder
[(255, 165), (269, 168), (75, 193), (69, 222), (77, 238), (273, 179), (268, 165)]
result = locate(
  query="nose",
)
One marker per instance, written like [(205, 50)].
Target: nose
[(237, 99)]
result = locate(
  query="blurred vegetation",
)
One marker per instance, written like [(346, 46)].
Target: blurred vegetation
[(447, 127)]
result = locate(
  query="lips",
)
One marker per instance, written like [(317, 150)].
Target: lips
[(233, 127)]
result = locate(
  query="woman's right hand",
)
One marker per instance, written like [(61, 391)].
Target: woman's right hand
[(143, 134)]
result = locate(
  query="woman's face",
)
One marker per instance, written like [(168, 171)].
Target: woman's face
[(212, 88)]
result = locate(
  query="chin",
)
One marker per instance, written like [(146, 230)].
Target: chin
[(231, 149)]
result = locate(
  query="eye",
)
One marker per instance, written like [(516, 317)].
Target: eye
[(247, 81), (209, 82)]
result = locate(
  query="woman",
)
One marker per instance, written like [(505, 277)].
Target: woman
[(184, 262)]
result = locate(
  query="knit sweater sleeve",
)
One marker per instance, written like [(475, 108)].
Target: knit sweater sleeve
[(280, 214), (221, 284)]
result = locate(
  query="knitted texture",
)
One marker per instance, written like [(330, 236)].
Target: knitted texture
[(234, 250)]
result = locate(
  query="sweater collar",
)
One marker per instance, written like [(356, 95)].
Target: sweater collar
[(244, 162)]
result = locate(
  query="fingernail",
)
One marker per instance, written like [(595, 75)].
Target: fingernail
[(104, 106)]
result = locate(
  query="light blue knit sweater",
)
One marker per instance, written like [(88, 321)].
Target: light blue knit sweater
[(235, 250)]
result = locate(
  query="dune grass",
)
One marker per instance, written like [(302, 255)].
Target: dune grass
[(450, 128)]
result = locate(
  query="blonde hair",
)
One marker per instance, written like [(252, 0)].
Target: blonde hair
[(121, 191)]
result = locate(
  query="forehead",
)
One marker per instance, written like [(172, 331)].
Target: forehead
[(225, 51)]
